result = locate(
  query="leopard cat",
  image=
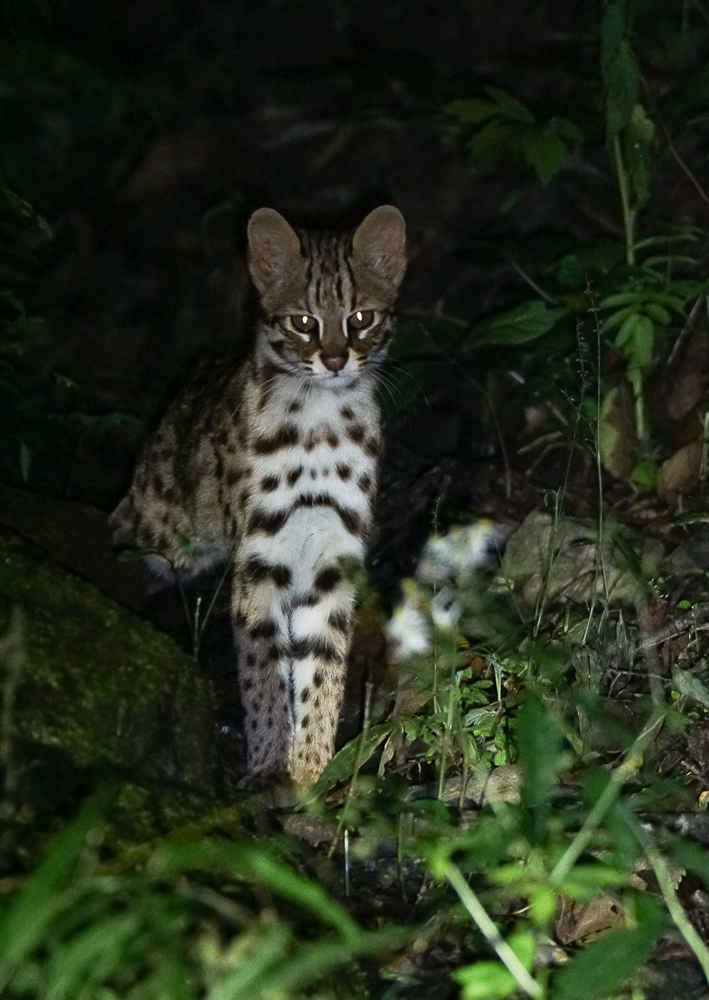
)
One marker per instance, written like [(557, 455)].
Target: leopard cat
[(271, 464)]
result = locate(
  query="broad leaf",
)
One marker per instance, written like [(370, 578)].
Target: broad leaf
[(521, 325), (357, 751), (608, 962)]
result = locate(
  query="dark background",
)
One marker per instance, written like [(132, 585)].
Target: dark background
[(143, 135)]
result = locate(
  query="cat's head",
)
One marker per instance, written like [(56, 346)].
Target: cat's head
[(326, 298)]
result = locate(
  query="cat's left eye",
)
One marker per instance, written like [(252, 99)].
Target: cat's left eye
[(303, 324), (360, 320)]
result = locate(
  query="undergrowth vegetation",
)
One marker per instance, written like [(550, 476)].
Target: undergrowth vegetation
[(506, 824)]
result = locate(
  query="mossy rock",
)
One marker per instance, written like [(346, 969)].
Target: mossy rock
[(97, 681)]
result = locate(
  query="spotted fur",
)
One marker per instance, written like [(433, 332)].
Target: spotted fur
[(272, 465)]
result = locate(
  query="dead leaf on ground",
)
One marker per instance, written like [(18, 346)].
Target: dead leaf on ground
[(680, 472)]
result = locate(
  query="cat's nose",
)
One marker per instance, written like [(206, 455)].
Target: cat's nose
[(334, 362)]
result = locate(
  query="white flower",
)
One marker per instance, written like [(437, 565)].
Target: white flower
[(408, 629)]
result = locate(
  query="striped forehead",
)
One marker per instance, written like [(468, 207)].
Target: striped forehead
[(329, 278)]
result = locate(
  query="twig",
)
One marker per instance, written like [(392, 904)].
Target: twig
[(479, 914), (664, 880), (626, 770)]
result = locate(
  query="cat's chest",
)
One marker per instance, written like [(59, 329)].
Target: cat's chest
[(312, 444)]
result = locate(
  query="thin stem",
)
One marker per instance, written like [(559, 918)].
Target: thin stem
[(627, 769), (479, 914), (664, 880), (628, 211)]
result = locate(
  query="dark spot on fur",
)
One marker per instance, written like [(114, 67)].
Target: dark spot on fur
[(281, 575), (269, 524), (264, 630), (250, 660), (295, 406), (284, 437), (317, 679), (256, 569), (308, 739), (356, 433), (340, 621), (327, 579), (343, 471), (371, 447), (332, 438), (365, 483), (304, 695), (315, 646), (305, 722), (347, 413), (270, 483), (311, 440), (294, 475), (313, 473)]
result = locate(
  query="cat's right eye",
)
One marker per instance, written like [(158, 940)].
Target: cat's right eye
[(304, 325)]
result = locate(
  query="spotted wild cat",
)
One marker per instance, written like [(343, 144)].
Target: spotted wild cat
[(272, 464)]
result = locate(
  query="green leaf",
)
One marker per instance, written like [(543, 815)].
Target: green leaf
[(545, 152), (607, 963), (641, 348), (509, 107), (485, 981), (493, 139), (612, 31), (524, 323), (690, 686), (627, 326), (471, 111), (255, 863), (658, 313), (45, 894), (644, 475), (622, 84), (622, 299), (638, 143), (540, 759), (358, 750), (491, 980)]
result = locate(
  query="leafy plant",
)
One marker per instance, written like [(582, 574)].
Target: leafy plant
[(504, 126), (635, 294)]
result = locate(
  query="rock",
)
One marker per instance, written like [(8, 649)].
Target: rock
[(680, 472), (560, 559), (96, 681)]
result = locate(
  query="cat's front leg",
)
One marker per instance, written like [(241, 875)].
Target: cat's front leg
[(261, 633), (321, 633)]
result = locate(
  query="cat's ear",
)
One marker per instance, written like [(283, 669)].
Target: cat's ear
[(380, 243), (274, 247)]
